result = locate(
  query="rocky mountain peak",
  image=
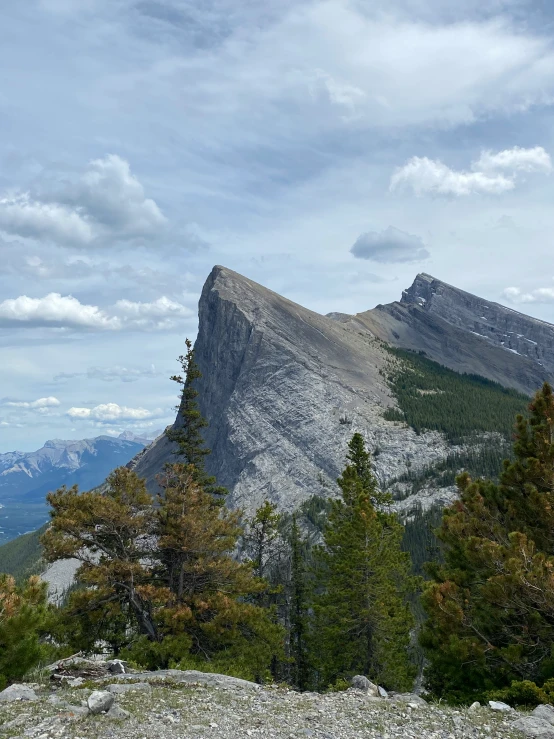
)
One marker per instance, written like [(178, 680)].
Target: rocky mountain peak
[(500, 326)]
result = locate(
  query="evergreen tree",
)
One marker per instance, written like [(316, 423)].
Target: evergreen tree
[(186, 433), (109, 533), (491, 605), (299, 615), (23, 615), (362, 619), (209, 612)]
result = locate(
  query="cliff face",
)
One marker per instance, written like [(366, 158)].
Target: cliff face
[(466, 333), (502, 327), (284, 389)]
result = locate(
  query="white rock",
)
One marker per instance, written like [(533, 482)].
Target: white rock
[(544, 712), (499, 706), (537, 728), (18, 693), (474, 706), (100, 701), (382, 692)]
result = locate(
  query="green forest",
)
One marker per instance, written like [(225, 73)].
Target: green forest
[(340, 587), (434, 398)]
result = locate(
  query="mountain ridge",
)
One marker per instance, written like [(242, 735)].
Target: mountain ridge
[(284, 387)]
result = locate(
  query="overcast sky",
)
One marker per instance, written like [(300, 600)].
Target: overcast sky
[(329, 149)]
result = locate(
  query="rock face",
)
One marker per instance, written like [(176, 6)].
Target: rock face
[(285, 388), (466, 333)]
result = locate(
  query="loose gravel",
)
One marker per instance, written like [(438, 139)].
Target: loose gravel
[(172, 710)]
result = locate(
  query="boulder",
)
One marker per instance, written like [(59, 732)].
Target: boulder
[(117, 666), (499, 706), (382, 692), (474, 706), (117, 713), (535, 728), (544, 712), (360, 682), (18, 693), (100, 701), (209, 679)]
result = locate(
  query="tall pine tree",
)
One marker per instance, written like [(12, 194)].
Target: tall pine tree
[(362, 619), (491, 605), (186, 432)]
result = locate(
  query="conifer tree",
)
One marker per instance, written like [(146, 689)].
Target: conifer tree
[(299, 607), (209, 610), (23, 614), (491, 605), (186, 433), (109, 534), (362, 619)]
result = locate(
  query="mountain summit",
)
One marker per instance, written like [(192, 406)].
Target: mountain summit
[(284, 388)]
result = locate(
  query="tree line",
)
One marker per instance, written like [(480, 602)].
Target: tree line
[(309, 598)]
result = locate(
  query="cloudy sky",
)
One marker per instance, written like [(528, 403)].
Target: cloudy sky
[(329, 149)]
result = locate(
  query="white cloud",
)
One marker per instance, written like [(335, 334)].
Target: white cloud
[(539, 295), (39, 404), (107, 203), (517, 159), (54, 310), (390, 245), (110, 374), (491, 174), (59, 311), (162, 312), (112, 413), (22, 216), (115, 199), (425, 175)]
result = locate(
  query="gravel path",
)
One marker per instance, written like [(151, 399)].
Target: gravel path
[(167, 710)]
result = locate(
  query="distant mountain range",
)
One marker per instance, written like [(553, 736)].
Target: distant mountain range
[(26, 477)]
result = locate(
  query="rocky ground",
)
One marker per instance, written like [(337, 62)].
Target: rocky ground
[(179, 705)]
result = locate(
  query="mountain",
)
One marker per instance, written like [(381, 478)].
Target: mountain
[(284, 389), (26, 477)]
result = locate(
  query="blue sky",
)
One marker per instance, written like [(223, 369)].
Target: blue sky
[(327, 149)]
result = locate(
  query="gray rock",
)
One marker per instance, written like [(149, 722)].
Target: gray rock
[(118, 688), (285, 440), (474, 706), (18, 692), (191, 676), (117, 713), (531, 726), (360, 682), (117, 666), (100, 701), (499, 706), (417, 700), (382, 692), (544, 712)]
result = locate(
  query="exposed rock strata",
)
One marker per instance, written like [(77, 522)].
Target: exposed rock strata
[(284, 388)]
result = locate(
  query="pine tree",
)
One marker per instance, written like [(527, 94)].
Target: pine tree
[(362, 620), (23, 614), (299, 615), (109, 533), (209, 610), (491, 606), (186, 433)]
